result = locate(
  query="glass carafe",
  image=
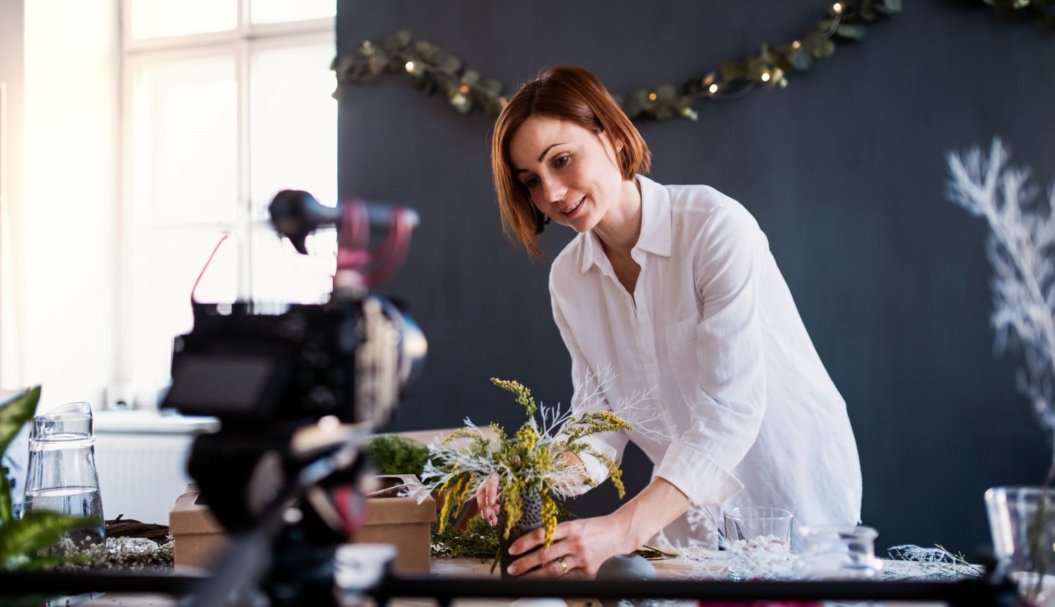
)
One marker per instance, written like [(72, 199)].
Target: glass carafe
[(61, 475)]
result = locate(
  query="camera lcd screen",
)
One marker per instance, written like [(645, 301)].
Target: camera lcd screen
[(228, 384)]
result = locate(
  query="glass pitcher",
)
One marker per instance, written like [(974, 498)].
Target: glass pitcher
[(61, 474)]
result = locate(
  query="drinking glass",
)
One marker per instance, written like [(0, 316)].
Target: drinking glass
[(747, 523), (61, 475), (840, 551), (1022, 524)]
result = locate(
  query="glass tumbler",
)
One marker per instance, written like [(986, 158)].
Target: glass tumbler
[(61, 475), (840, 551), (1022, 524), (748, 523)]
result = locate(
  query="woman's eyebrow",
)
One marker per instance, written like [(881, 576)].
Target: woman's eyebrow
[(540, 156), (545, 151)]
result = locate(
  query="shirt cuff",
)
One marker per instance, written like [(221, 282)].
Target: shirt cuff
[(696, 475)]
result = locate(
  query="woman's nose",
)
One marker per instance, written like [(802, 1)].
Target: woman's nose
[(553, 191)]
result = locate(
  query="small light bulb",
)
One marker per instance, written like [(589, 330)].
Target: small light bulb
[(464, 89), (837, 8), (409, 67), (796, 45), (765, 76), (713, 89), (651, 96)]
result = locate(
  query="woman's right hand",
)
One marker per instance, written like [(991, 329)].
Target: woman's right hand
[(487, 499)]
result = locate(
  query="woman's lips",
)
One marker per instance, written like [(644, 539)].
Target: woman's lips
[(574, 209)]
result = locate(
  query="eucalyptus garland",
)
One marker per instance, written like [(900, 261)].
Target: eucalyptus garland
[(1041, 10), (434, 69)]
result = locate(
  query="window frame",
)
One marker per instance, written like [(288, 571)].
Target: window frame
[(240, 43)]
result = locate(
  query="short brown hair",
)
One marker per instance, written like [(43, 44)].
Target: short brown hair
[(565, 93)]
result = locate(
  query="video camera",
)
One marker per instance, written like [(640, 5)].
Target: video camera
[(350, 358), (298, 388)]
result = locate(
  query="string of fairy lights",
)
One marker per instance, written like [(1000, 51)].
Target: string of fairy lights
[(1043, 11), (434, 69)]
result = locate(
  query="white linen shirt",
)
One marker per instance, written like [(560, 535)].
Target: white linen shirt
[(709, 362)]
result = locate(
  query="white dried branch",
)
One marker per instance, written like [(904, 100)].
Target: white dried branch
[(1020, 247), (634, 408)]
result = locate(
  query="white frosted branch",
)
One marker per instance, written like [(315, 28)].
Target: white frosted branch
[(1020, 248)]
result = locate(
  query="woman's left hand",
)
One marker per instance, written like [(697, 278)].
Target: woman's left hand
[(578, 548)]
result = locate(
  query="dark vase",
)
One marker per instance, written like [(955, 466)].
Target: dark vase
[(531, 506)]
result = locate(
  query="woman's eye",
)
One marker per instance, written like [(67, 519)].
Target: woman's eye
[(561, 160), (531, 182)]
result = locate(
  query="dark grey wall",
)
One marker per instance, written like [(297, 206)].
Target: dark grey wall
[(844, 170)]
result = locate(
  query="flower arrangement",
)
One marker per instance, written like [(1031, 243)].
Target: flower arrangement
[(530, 462)]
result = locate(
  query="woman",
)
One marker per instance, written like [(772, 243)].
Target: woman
[(673, 289)]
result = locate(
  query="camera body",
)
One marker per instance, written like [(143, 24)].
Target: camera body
[(274, 374), (258, 366)]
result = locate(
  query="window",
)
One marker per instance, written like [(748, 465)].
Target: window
[(225, 103)]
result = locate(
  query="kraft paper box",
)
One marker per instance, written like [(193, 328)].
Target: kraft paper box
[(198, 537), (397, 520), (401, 521)]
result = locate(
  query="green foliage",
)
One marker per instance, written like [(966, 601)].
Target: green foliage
[(12, 418), (21, 540), (531, 461), (396, 455), (477, 540), (1041, 10), (434, 69)]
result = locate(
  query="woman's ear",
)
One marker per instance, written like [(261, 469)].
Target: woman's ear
[(617, 144)]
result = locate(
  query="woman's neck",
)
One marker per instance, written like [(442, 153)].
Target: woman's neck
[(620, 227)]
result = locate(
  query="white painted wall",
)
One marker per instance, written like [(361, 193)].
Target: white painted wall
[(66, 218), (11, 81)]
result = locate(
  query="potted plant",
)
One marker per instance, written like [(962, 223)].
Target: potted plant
[(1021, 242), (531, 465)]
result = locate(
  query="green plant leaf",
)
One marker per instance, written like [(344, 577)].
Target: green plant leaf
[(824, 49), (734, 70), (35, 531), (851, 32), (12, 417), (16, 414), (889, 7), (800, 59), (5, 500)]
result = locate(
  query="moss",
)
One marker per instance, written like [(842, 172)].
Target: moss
[(396, 455), (477, 540)]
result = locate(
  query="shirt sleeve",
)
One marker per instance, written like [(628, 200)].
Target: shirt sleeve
[(728, 400), (587, 398)]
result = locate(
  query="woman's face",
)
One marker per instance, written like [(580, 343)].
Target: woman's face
[(570, 172)]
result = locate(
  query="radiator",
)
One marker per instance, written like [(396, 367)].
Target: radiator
[(141, 457)]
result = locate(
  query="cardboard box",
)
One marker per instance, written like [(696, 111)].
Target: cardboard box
[(198, 537), (401, 521), (396, 519)]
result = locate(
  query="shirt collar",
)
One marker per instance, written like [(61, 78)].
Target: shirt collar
[(655, 225)]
